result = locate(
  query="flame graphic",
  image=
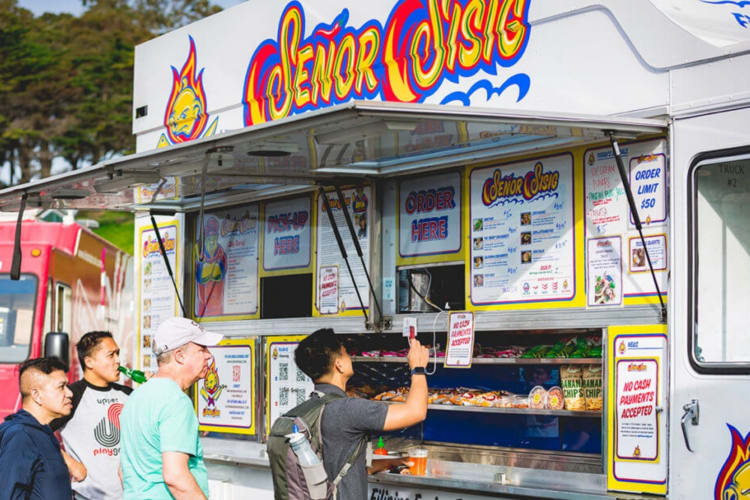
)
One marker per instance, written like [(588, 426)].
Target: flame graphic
[(734, 478), (185, 116)]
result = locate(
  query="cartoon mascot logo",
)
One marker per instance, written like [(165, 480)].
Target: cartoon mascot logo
[(186, 115), (211, 390), (733, 482)]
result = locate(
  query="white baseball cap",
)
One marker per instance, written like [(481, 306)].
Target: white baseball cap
[(176, 332)]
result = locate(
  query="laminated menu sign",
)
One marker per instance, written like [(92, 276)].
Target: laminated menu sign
[(522, 232), (608, 212), (328, 289), (287, 386), (286, 237), (157, 300), (636, 427), (225, 396), (328, 254), (460, 349), (227, 274), (604, 271), (430, 215)]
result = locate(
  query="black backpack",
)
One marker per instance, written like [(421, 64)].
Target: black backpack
[(291, 481)]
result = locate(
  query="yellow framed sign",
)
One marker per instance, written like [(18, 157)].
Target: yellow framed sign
[(636, 427), (225, 397), (287, 237), (286, 385), (608, 213), (429, 219), (327, 254), (225, 279), (157, 300), (525, 228)]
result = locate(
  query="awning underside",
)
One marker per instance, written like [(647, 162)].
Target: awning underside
[(338, 145)]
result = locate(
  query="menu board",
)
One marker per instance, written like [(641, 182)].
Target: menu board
[(287, 386), (328, 254), (608, 213), (227, 274), (225, 397), (522, 232), (636, 426), (430, 215), (286, 237), (157, 300)]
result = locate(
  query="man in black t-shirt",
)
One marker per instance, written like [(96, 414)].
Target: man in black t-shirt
[(91, 433)]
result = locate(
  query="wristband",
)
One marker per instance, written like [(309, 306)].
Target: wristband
[(419, 370)]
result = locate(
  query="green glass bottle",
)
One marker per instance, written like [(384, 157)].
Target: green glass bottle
[(137, 375)]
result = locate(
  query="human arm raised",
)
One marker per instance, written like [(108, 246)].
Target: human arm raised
[(414, 410)]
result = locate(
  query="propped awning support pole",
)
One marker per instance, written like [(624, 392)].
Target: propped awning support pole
[(15, 268), (636, 217), (357, 246), (340, 242)]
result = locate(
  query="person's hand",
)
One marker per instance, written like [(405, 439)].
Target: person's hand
[(381, 464), (418, 355), (77, 471)]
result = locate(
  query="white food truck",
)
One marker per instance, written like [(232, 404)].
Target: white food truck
[(552, 192)]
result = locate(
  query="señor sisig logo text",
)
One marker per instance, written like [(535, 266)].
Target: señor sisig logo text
[(422, 44), (500, 189)]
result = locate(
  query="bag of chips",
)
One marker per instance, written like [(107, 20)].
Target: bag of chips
[(592, 387), (572, 385)]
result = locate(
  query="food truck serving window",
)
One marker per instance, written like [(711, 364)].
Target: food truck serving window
[(17, 303), (721, 263)]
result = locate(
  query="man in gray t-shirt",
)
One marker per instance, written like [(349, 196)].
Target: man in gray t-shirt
[(323, 357)]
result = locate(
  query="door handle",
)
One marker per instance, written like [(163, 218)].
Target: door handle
[(692, 412)]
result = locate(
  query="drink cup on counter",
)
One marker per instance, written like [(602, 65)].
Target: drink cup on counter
[(418, 458)]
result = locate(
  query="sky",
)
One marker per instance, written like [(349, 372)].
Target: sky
[(74, 6)]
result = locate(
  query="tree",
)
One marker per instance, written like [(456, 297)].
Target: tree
[(66, 82)]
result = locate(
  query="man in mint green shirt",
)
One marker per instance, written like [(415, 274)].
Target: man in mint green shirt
[(162, 456)]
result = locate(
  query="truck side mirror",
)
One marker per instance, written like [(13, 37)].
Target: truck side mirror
[(56, 345)]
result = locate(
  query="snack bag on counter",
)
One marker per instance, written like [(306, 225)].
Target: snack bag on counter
[(572, 385), (592, 387)]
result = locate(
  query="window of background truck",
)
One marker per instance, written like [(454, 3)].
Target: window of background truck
[(721, 257), (17, 305)]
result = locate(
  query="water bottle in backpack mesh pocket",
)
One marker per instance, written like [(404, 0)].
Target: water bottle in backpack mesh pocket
[(295, 450)]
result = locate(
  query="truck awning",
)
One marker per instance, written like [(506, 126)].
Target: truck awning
[(336, 145)]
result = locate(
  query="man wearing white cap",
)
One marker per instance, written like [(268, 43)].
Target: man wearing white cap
[(162, 457)]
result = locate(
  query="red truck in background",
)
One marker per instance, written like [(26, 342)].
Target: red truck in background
[(72, 281)]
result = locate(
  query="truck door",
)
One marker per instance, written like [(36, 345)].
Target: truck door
[(710, 308)]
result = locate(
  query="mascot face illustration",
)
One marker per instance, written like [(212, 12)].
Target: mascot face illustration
[(186, 114)]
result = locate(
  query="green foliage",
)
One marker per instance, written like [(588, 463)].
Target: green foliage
[(116, 227), (66, 82)]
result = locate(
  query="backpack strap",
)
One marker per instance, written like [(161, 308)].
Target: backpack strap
[(347, 465)]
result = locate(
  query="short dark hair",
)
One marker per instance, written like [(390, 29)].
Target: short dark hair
[(316, 353), (88, 343), (44, 365)]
